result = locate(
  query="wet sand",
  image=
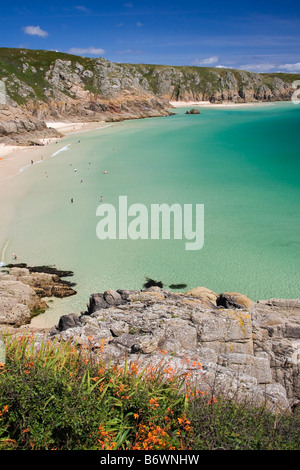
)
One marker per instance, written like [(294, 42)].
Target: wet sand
[(16, 159)]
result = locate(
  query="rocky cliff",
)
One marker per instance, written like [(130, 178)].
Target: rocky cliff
[(45, 85), (242, 349), (225, 342)]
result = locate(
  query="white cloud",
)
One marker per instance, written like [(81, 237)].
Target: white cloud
[(207, 61), (35, 31), (139, 24), (290, 67), (260, 68), (221, 67), (86, 50), (82, 8)]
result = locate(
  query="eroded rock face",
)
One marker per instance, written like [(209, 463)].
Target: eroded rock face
[(43, 284), (246, 350), (22, 294), (69, 88), (19, 127), (17, 302)]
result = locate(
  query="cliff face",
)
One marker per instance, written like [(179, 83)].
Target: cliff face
[(242, 349), (41, 85)]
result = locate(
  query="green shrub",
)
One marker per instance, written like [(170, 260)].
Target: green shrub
[(57, 396), (226, 425)]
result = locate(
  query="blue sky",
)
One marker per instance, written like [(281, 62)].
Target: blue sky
[(262, 36)]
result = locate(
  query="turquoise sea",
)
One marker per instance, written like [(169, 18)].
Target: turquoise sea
[(242, 163)]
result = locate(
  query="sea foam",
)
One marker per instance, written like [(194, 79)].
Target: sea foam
[(61, 150)]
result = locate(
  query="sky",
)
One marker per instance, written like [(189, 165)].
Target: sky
[(261, 36)]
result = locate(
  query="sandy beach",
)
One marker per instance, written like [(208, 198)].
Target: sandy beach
[(72, 127), (186, 104), (15, 159)]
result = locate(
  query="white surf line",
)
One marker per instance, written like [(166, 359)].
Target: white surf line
[(29, 165), (103, 127), (61, 150), (2, 261), (23, 168)]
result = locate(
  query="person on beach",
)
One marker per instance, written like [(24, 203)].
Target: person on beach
[(15, 256)]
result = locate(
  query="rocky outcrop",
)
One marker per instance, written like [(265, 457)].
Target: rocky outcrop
[(18, 302), (245, 350), (193, 111), (23, 293), (20, 128)]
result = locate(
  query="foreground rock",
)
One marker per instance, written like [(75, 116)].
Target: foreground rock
[(245, 350), (23, 293)]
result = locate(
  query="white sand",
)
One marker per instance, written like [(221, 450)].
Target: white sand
[(14, 159), (70, 127), (186, 104)]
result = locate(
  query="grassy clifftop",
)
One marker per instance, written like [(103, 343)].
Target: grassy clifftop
[(29, 67), (40, 75)]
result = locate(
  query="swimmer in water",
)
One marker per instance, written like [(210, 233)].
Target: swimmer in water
[(101, 199)]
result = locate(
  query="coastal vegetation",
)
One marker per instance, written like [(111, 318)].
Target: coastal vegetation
[(40, 86), (31, 75), (60, 397)]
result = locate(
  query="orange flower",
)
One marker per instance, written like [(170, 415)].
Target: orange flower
[(153, 403)]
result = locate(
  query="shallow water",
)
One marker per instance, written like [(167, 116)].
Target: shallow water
[(242, 163)]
